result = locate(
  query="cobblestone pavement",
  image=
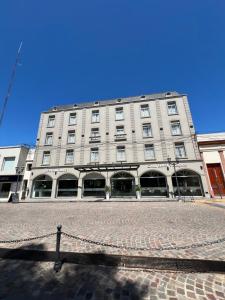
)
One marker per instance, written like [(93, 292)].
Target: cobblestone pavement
[(34, 280), (140, 225)]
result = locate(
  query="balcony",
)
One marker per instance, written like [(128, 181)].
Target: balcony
[(94, 139), (120, 137)]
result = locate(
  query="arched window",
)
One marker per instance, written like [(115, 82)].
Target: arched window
[(67, 186), (94, 185), (153, 183), (42, 187), (122, 184), (187, 183)]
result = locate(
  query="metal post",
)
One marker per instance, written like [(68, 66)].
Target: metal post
[(58, 262)]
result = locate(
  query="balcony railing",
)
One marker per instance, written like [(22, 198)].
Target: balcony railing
[(95, 139)]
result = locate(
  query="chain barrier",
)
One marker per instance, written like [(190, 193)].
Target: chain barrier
[(192, 246), (28, 239)]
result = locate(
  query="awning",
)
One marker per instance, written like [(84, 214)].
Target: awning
[(107, 167)]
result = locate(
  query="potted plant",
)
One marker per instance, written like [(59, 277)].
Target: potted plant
[(138, 191), (107, 192)]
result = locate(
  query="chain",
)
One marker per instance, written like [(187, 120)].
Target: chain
[(27, 239), (192, 246)]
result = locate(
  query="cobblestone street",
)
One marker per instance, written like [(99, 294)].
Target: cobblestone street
[(136, 225)]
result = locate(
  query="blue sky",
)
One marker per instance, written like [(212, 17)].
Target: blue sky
[(82, 50)]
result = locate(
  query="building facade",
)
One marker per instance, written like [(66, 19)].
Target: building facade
[(212, 150), (12, 164), (118, 146)]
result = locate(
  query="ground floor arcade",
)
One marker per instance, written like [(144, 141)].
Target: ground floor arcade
[(132, 181)]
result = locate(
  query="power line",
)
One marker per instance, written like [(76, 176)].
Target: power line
[(11, 81)]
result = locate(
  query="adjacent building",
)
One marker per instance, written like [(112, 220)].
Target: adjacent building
[(121, 146), (12, 163), (212, 149)]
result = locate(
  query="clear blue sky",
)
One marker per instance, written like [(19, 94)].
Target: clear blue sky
[(82, 50)]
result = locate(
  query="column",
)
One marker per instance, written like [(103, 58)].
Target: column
[(79, 191), (207, 177), (54, 187), (170, 185)]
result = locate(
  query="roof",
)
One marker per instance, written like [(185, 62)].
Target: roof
[(116, 100), (209, 137), (15, 146)]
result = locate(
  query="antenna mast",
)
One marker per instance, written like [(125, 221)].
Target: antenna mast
[(12, 79)]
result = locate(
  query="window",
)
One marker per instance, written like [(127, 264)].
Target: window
[(69, 156), (147, 130), (73, 119), (46, 158), (51, 121), (120, 155), (8, 164), (175, 128), (119, 113), (94, 155), (149, 152), (120, 130), (29, 167), (180, 150), (49, 138), (145, 112), (172, 108), (94, 132), (71, 137), (95, 118)]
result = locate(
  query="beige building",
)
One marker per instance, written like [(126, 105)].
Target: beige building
[(118, 146), (212, 150)]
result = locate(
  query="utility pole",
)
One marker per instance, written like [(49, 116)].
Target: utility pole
[(11, 81)]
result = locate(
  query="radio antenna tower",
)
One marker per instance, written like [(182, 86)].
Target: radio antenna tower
[(11, 81)]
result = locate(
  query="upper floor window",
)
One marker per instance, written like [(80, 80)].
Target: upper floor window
[(46, 158), (175, 128), (180, 150), (94, 132), (95, 116), (8, 164), (145, 111), (147, 130), (71, 137), (120, 154), (69, 156), (94, 155), (51, 121), (49, 138), (149, 152), (172, 108), (119, 113), (73, 119), (120, 130)]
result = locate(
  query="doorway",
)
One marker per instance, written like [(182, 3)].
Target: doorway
[(216, 179)]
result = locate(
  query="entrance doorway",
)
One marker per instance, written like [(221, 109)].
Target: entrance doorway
[(5, 188), (216, 179), (94, 185), (153, 184), (122, 184)]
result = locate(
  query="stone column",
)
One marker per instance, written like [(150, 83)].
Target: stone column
[(79, 191), (207, 177), (170, 185), (54, 187)]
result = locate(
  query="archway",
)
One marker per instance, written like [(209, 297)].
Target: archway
[(67, 186), (188, 183), (42, 187), (153, 183), (122, 184), (94, 185)]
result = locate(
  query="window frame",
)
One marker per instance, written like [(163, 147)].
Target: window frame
[(171, 127), (185, 152), (66, 157), (116, 111), (122, 127), (117, 151), (68, 134), (145, 148), (48, 134), (48, 124), (75, 122), (151, 133), (172, 114), (4, 160), (94, 150), (148, 109), (49, 158), (93, 113)]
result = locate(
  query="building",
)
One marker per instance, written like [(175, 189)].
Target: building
[(12, 164), (120, 146), (212, 149)]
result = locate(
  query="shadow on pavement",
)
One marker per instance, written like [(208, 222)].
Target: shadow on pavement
[(22, 279)]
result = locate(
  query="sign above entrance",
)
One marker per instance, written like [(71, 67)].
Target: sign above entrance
[(164, 165)]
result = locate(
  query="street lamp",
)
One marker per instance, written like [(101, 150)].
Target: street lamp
[(174, 163), (15, 196)]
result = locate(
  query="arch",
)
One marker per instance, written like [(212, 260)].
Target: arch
[(67, 185), (187, 182), (42, 186), (153, 184), (122, 184), (94, 185)]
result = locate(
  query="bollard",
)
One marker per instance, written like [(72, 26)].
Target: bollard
[(58, 262)]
